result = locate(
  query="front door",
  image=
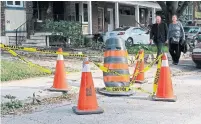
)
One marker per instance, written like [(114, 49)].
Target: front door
[(40, 10), (110, 19)]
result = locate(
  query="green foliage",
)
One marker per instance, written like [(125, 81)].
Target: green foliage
[(67, 29), (16, 70), (149, 49), (12, 104), (88, 41)]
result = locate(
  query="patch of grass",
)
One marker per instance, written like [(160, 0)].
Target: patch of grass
[(12, 104), (17, 70), (16, 107), (149, 49)]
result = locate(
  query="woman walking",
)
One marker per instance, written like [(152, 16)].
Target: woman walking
[(175, 38)]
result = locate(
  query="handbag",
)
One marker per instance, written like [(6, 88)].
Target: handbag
[(184, 47)]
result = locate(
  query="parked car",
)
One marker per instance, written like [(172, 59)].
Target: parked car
[(196, 53), (131, 35), (190, 33)]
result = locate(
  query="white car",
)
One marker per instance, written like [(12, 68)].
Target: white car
[(131, 35)]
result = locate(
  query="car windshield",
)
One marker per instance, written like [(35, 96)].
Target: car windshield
[(191, 29), (121, 29)]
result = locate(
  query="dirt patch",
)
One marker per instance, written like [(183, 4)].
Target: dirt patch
[(30, 107)]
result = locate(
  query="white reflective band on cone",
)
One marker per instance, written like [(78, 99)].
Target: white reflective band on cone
[(165, 63), (86, 68), (60, 57)]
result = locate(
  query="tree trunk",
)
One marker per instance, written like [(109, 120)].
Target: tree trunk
[(171, 7)]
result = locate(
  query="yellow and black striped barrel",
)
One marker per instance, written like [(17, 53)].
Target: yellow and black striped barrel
[(115, 59)]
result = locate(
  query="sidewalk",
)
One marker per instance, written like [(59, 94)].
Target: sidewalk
[(22, 89)]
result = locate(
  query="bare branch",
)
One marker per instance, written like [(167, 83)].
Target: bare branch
[(163, 6), (180, 4), (182, 8), (172, 6)]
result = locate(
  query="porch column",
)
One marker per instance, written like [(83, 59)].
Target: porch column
[(137, 15), (153, 15), (148, 16), (89, 18), (116, 15)]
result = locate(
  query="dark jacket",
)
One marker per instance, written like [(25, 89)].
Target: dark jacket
[(159, 32)]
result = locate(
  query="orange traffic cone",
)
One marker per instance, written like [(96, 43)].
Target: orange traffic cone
[(87, 102), (60, 83), (165, 90), (140, 76)]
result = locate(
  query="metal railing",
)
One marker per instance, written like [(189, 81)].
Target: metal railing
[(32, 25), (21, 32)]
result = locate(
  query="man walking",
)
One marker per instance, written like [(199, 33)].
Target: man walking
[(158, 34)]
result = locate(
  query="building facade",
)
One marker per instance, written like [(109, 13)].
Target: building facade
[(95, 16), (192, 14)]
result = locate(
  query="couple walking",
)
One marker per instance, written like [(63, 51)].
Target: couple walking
[(173, 36)]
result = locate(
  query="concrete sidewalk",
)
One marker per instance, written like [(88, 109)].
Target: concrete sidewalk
[(23, 89)]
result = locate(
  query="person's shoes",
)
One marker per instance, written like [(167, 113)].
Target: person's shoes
[(175, 63)]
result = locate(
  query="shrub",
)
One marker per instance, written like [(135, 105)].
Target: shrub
[(67, 29)]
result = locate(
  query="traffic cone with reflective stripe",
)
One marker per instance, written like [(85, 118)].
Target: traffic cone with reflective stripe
[(87, 102), (140, 66), (60, 83), (165, 89)]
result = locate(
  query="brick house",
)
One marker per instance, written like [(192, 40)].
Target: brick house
[(95, 16)]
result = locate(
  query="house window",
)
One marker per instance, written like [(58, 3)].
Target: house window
[(85, 12), (14, 3), (125, 11), (188, 13)]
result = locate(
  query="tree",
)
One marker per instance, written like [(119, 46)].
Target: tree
[(172, 7)]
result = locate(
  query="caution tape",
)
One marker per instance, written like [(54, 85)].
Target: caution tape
[(43, 69), (28, 62), (155, 84), (105, 69), (30, 49), (117, 89), (137, 70), (131, 60), (126, 89), (131, 87)]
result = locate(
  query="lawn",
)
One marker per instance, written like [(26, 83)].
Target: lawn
[(149, 49), (17, 70)]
